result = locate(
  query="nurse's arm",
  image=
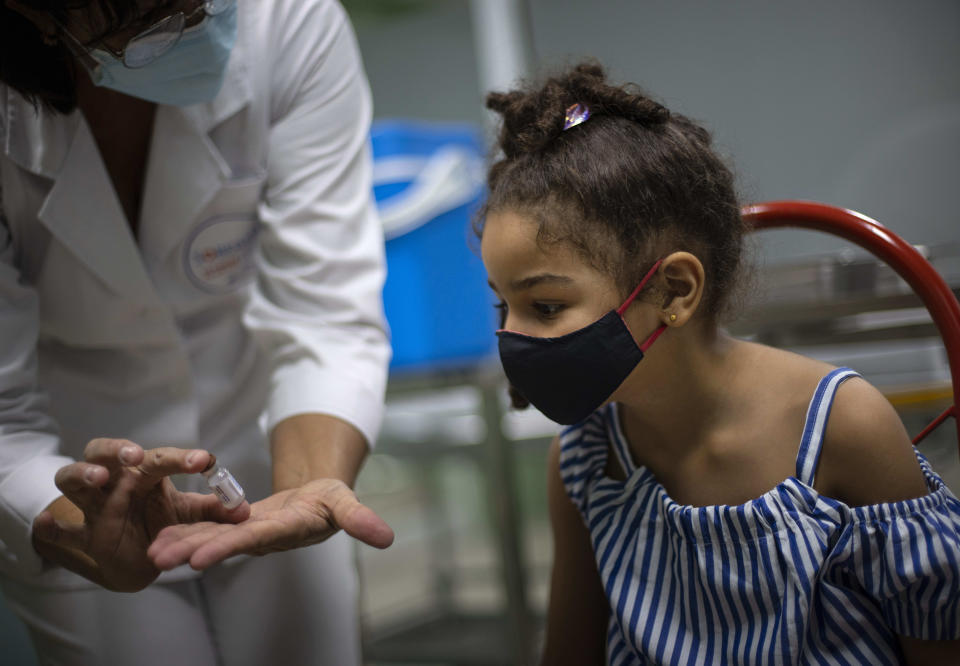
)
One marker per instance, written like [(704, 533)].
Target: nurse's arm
[(306, 447)]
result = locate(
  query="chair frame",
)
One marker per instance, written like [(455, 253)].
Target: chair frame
[(902, 257)]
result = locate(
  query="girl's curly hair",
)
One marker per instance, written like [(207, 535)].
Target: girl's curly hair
[(632, 183)]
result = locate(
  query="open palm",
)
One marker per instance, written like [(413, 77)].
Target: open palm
[(288, 519)]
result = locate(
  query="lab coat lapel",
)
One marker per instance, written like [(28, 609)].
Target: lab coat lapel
[(186, 170), (82, 211)]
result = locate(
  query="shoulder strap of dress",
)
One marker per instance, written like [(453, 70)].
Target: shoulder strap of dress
[(816, 424)]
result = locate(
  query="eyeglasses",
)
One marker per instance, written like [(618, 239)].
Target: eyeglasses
[(145, 47)]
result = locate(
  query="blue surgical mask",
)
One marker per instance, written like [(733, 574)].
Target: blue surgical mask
[(191, 72)]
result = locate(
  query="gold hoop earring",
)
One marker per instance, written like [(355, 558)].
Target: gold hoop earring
[(673, 317)]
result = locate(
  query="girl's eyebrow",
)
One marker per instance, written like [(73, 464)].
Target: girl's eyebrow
[(538, 279)]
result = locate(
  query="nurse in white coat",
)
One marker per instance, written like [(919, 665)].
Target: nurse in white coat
[(189, 262)]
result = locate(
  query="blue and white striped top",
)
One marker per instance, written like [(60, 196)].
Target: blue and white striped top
[(791, 577)]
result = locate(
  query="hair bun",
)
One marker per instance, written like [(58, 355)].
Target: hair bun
[(534, 117)]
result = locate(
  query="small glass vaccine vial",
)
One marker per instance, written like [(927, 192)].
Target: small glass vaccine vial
[(221, 482)]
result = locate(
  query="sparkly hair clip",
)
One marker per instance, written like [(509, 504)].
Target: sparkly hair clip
[(575, 115)]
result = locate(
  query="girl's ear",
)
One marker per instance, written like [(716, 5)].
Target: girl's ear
[(682, 280)]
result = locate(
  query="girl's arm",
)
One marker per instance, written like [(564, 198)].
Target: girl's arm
[(578, 612), (867, 459)]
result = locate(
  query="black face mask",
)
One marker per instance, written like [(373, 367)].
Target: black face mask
[(568, 377)]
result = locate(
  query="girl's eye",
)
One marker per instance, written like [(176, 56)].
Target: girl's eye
[(548, 310)]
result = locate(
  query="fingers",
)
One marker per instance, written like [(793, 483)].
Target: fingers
[(360, 521), (80, 483), (112, 453), (80, 476), (206, 544), (48, 530), (104, 458), (167, 460), (365, 525), (168, 550), (199, 515), (178, 544), (253, 537), (196, 507), (153, 463)]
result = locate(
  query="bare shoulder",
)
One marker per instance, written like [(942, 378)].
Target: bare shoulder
[(792, 368), (867, 457), (778, 372)]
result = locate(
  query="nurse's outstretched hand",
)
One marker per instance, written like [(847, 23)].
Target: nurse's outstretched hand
[(288, 519), (114, 504)]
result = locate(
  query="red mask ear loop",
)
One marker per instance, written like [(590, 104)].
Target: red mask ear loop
[(623, 308), (643, 283), (645, 345)]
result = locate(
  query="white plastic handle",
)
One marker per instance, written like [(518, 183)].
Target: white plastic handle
[(448, 179)]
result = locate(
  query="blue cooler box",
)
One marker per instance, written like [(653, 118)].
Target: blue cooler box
[(428, 183)]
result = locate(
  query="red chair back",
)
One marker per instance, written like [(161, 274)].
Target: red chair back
[(892, 250)]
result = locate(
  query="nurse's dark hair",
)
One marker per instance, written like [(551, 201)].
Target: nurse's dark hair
[(629, 185), (46, 74)]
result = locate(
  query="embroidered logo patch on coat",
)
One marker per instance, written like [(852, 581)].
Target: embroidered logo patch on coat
[(219, 254)]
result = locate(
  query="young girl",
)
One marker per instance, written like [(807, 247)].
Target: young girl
[(721, 502)]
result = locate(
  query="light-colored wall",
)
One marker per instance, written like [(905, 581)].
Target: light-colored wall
[(854, 103)]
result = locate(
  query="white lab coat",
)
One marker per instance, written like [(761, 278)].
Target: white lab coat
[(252, 292)]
